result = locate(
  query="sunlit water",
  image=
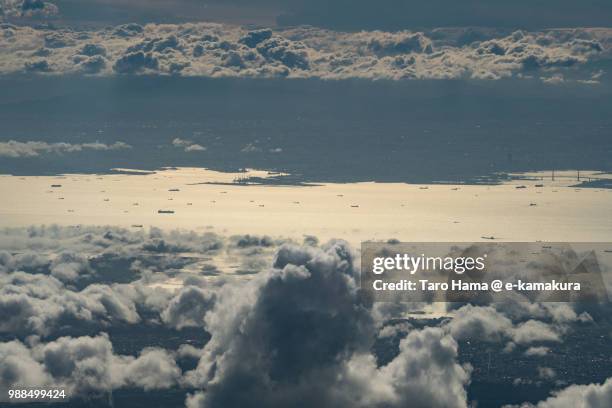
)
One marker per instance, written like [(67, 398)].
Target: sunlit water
[(355, 212)]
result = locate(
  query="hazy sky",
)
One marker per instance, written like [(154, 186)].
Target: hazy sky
[(475, 90), (345, 14)]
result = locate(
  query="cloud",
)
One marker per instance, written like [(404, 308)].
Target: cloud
[(83, 366), (300, 332), (19, 367), (584, 396), (537, 351), (153, 369), (26, 8), (250, 148), (40, 304), (532, 331), (135, 62), (187, 145), (400, 43), (291, 54), (188, 308), (472, 322), (546, 373), (253, 38), (93, 49), (15, 149), (488, 324), (53, 278), (555, 56), (37, 66), (91, 65)]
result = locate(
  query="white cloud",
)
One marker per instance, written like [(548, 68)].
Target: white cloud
[(83, 366), (583, 396), (537, 351), (187, 145), (15, 149)]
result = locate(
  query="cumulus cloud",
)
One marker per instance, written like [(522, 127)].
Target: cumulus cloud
[(53, 278), (216, 50), (399, 43), (188, 308), (534, 330), (58, 280), (42, 300), (488, 324), (83, 366), (154, 368), (15, 149), (300, 332), (537, 351), (187, 145), (40, 304), (480, 323), (27, 8), (584, 396)]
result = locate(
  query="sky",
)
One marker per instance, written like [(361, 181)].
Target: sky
[(337, 14)]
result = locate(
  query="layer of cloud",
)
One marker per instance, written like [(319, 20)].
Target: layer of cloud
[(40, 304), (56, 278), (83, 366), (299, 330), (16, 149), (214, 50)]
